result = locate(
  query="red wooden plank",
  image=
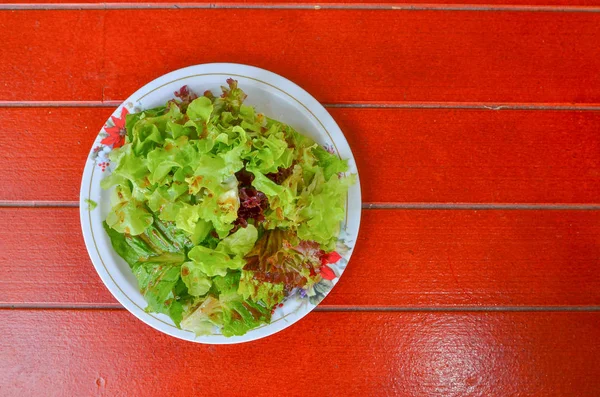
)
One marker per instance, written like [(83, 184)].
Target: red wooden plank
[(42, 59), (402, 258), (110, 352), (45, 151), (347, 55), (352, 4), (404, 155), (419, 155), (43, 258)]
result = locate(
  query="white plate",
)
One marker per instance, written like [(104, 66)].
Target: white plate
[(272, 95)]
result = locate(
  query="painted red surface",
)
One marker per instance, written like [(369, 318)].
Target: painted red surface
[(407, 354), (347, 55), (410, 258), (403, 155), (402, 320), (348, 3)]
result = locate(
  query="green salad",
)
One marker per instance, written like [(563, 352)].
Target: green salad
[(221, 212)]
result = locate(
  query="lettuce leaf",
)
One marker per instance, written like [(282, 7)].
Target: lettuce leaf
[(330, 163), (212, 262), (161, 286), (240, 315), (258, 290), (121, 246), (148, 132), (200, 109), (227, 255), (230, 311), (128, 215), (204, 318), (228, 283), (240, 242), (197, 282), (322, 209)]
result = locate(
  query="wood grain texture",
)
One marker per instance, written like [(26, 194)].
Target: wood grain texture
[(353, 4), (396, 354), (347, 55), (403, 258), (403, 155)]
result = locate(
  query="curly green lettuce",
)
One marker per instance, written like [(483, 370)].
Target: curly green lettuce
[(221, 212)]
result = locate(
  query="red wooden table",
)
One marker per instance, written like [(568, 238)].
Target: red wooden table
[(476, 128)]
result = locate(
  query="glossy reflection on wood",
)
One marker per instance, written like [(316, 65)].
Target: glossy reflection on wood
[(452, 354)]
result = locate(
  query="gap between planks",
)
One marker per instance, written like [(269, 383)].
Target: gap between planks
[(301, 6), (349, 105), (399, 309), (368, 206)]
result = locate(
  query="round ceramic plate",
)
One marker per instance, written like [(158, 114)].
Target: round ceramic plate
[(270, 94)]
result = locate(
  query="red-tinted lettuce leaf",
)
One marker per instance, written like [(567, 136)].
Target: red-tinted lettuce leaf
[(279, 257), (281, 175)]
